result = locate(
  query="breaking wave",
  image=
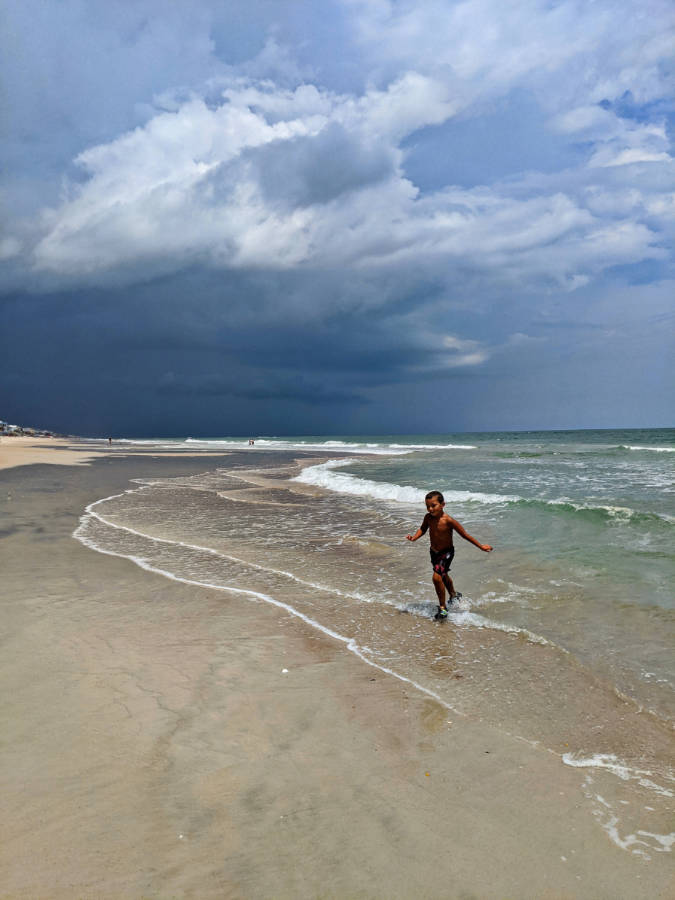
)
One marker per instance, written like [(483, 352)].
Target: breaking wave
[(324, 475)]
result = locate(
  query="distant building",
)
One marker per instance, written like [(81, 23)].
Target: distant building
[(8, 429)]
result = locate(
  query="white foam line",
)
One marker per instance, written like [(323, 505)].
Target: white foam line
[(350, 643), (212, 552), (464, 617), (666, 840), (655, 449), (609, 822), (435, 446), (322, 446), (626, 773), (324, 476), (615, 512), (627, 843)]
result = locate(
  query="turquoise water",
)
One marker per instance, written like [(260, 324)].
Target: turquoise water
[(599, 503), (583, 524)]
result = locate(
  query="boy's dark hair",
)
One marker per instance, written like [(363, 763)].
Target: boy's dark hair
[(433, 494)]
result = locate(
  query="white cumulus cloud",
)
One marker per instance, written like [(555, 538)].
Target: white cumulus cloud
[(243, 170)]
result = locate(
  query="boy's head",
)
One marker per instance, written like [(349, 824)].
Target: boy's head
[(435, 503)]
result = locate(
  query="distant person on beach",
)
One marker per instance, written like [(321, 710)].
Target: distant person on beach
[(440, 527), (110, 440)]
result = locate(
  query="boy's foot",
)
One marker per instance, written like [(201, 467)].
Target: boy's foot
[(442, 613), (456, 597)]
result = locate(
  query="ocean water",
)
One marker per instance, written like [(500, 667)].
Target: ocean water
[(564, 634)]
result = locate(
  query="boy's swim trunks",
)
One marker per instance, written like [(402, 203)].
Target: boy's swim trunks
[(441, 559)]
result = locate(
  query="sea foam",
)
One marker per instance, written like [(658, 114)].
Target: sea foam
[(609, 762), (369, 449), (323, 475), (655, 449)]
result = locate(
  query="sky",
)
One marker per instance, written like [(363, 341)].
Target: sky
[(347, 217)]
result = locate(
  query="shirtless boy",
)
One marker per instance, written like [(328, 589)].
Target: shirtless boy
[(440, 527)]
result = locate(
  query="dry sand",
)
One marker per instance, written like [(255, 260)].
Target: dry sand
[(153, 746), (26, 451)]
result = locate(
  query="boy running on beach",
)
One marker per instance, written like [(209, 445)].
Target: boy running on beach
[(440, 527)]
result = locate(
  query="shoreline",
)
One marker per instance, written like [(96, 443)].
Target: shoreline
[(155, 743), (74, 451)]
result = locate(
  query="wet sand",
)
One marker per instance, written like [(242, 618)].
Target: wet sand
[(154, 746)]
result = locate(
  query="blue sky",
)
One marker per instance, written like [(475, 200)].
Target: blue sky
[(349, 217)]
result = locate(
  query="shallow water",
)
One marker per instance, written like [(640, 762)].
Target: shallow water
[(564, 635)]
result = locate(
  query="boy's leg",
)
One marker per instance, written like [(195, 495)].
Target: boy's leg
[(439, 588), (447, 581)]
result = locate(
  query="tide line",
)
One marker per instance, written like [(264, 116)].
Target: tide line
[(148, 537)]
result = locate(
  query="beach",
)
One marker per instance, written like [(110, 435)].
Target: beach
[(26, 451), (164, 738)]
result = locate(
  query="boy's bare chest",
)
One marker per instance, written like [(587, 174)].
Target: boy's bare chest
[(440, 534)]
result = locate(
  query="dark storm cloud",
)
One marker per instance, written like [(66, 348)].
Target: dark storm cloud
[(296, 388), (122, 357)]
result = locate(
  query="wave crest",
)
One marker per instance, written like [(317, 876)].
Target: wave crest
[(323, 475)]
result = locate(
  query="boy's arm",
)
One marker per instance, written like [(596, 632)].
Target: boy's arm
[(420, 531), (467, 537)]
